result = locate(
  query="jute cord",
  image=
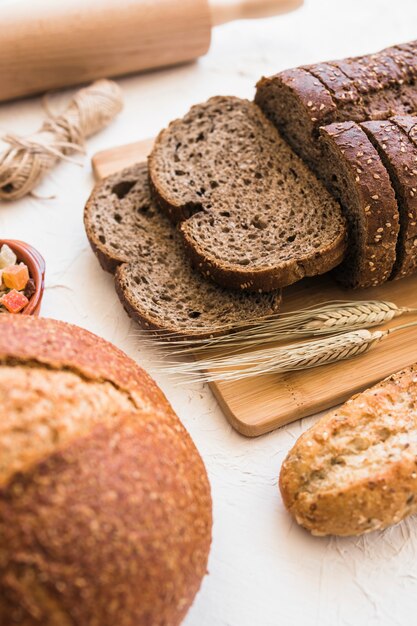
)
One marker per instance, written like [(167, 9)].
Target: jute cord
[(28, 159)]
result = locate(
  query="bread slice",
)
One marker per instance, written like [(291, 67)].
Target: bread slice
[(355, 470), (354, 171), (298, 104), (399, 155), (375, 86), (254, 217), (154, 278)]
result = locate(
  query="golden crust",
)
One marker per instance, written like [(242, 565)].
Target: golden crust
[(60, 345), (113, 526), (355, 470)]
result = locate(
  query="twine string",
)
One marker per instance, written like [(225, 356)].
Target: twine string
[(28, 159)]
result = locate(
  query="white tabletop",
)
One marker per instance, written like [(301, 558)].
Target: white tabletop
[(263, 570)]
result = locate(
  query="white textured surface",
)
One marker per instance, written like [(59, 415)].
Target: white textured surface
[(264, 571)]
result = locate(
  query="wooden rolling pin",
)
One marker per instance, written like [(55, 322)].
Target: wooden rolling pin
[(54, 43)]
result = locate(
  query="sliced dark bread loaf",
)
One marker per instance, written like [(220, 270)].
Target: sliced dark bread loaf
[(376, 86), (354, 171), (154, 278), (399, 155), (254, 217)]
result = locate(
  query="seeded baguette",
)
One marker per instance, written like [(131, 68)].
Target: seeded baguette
[(354, 171), (105, 507), (375, 86), (153, 275), (253, 216), (355, 470), (399, 155)]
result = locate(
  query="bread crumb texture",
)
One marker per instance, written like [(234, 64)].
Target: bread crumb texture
[(105, 506), (154, 278), (254, 217), (355, 470)]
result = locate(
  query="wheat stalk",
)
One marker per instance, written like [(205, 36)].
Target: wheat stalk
[(300, 356), (329, 318)]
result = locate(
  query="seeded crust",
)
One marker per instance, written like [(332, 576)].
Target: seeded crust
[(375, 86), (153, 275), (399, 155), (253, 216), (105, 508), (408, 123), (298, 104), (357, 176), (355, 470)]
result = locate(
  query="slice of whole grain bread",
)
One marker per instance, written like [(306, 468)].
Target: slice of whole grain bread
[(399, 155), (253, 215), (154, 278), (354, 171)]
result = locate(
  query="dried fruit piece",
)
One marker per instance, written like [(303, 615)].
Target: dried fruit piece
[(30, 289), (7, 256), (14, 301), (16, 276)]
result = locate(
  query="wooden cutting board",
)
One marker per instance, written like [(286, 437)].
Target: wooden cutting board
[(258, 405)]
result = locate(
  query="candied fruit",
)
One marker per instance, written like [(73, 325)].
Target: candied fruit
[(14, 301), (16, 276), (7, 256)]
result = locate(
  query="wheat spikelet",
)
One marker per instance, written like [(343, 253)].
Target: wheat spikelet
[(328, 318), (275, 360), (364, 315)]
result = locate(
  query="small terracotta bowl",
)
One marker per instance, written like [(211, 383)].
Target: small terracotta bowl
[(36, 266)]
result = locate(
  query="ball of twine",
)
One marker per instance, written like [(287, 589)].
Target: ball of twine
[(28, 159)]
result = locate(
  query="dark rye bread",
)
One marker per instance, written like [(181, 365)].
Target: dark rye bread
[(105, 507), (154, 278), (354, 171), (399, 155), (375, 86), (254, 217), (408, 123)]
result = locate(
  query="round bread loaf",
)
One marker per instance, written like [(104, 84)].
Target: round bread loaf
[(105, 507)]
